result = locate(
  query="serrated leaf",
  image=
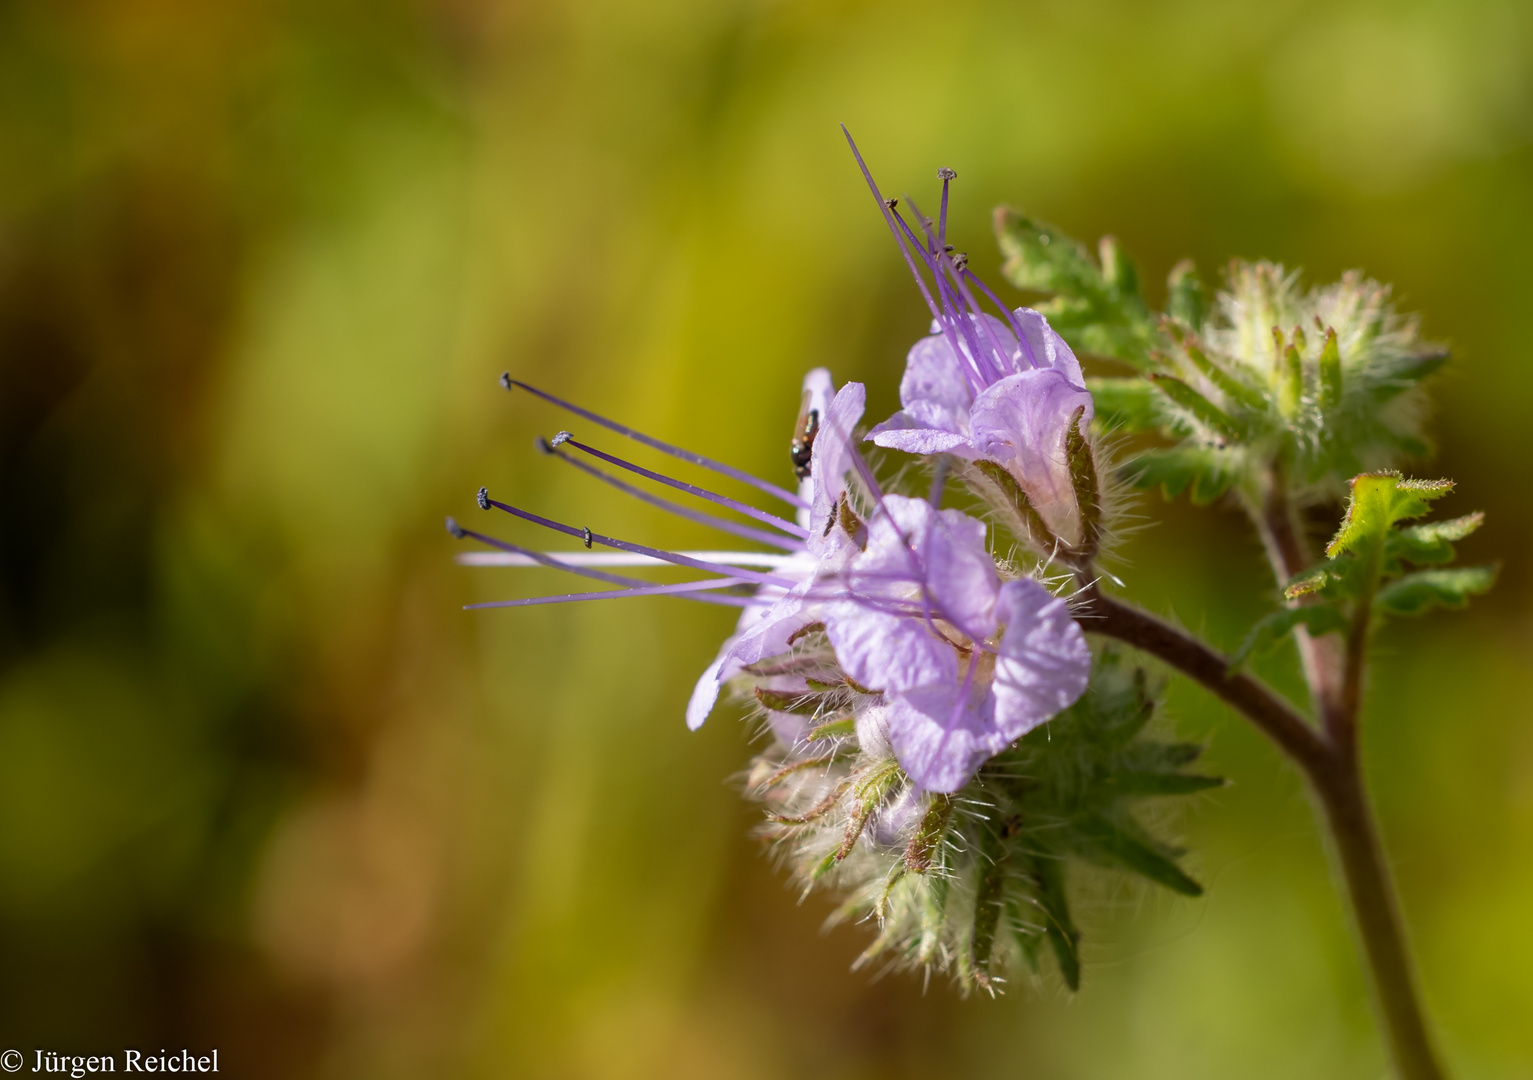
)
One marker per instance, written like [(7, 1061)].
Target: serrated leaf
[(1318, 619), (1126, 404), (1378, 502), (1428, 544), (1418, 593), (1098, 310)]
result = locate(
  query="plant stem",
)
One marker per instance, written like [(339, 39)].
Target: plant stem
[(1329, 760)]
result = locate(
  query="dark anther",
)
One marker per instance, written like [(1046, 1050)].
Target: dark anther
[(562, 437), (484, 498), (947, 247), (891, 203), (961, 261), (456, 529), (586, 535), (544, 446), (505, 379), (801, 449), (945, 173)]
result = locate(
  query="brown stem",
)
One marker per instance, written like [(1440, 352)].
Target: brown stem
[(1330, 762), (1377, 916), (1277, 525), (1264, 707)]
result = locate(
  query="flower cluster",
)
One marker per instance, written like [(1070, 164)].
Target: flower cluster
[(898, 660)]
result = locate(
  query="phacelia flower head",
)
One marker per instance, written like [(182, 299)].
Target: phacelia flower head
[(1007, 393), (898, 664)]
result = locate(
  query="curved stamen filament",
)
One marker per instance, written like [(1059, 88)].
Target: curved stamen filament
[(683, 588), (789, 527), (664, 447), (734, 528), (640, 549)]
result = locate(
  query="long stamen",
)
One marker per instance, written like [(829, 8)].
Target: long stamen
[(664, 447), (1011, 318), (886, 207), (734, 528), (953, 326), (945, 175), (789, 527), (684, 588), (640, 549), (566, 562), (959, 303)]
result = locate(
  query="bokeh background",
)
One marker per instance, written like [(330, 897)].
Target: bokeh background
[(265, 787)]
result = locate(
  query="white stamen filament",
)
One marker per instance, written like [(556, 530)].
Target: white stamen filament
[(770, 560)]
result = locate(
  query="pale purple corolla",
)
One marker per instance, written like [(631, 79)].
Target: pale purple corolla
[(980, 387), (767, 628), (967, 664)]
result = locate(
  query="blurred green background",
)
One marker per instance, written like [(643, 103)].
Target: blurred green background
[(265, 787)]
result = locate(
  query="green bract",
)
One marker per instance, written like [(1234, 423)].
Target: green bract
[(1319, 384), (974, 884), (1366, 575)]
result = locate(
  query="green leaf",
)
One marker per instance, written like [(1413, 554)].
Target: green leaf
[(1126, 404), (1418, 593), (1203, 469), (1098, 310), (1378, 502), (1236, 391), (1428, 544), (1185, 300), (1318, 619)]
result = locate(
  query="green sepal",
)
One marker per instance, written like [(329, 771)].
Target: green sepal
[(989, 899), (1318, 619), (1206, 412), (1186, 301), (1418, 593), (834, 729), (1202, 469), (1048, 874), (1229, 384), (1126, 404), (1083, 478), (1148, 783), (1409, 372), (1330, 371), (1031, 523), (799, 703), (1121, 845)]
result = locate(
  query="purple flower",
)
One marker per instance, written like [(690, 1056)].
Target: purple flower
[(967, 664), (767, 627), (980, 387), (1014, 408)]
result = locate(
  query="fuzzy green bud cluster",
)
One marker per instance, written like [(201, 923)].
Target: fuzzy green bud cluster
[(1318, 384), (973, 885)]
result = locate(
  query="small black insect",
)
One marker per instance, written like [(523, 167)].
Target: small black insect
[(804, 431)]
